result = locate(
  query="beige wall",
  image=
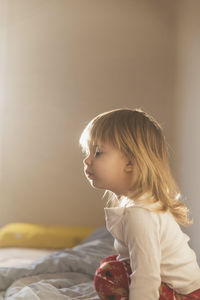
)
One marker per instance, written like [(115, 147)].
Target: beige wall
[(187, 143), (64, 62)]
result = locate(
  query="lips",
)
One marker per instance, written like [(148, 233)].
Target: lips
[(88, 173)]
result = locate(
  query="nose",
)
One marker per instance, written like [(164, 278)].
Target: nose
[(87, 160)]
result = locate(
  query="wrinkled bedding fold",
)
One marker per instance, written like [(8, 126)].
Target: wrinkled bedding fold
[(65, 274)]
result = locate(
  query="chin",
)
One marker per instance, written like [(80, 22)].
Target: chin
[(96, 185)]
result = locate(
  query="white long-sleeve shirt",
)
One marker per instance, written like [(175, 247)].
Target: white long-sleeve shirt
[(157, 249)]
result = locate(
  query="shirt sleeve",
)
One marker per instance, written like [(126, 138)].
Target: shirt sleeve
[(141, 236)]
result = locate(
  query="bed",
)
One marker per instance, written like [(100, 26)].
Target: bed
[(54, 275)]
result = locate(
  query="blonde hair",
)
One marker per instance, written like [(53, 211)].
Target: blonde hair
[(140, 138)]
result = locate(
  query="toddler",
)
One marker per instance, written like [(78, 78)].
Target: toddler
[(127, 156)]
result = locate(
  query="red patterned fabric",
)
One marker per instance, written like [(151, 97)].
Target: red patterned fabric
[(112, 280)]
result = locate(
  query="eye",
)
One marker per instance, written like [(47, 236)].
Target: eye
[(97, 152)]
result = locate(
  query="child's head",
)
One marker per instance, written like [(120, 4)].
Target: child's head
[(139, 139), (137, 136)]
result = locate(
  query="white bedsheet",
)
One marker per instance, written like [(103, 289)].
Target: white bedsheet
[(63, 275)]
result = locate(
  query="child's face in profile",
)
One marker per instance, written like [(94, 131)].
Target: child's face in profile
[(106, 168)]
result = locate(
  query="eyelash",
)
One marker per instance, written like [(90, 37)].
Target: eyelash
[(97, 153)]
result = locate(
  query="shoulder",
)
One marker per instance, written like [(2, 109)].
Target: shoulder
[(141, 226), (140, 213), (141, 220)]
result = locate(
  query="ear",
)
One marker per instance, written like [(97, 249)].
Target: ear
[(129, 166)]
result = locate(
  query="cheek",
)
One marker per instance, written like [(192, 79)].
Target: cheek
[(100, 168), (107, 170)]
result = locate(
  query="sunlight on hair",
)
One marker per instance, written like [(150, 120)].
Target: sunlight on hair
[(85, 138)]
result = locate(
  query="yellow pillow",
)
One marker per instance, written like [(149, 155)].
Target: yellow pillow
[(42, 236)]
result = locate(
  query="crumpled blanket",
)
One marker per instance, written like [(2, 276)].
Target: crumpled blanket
[(66, 274)]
